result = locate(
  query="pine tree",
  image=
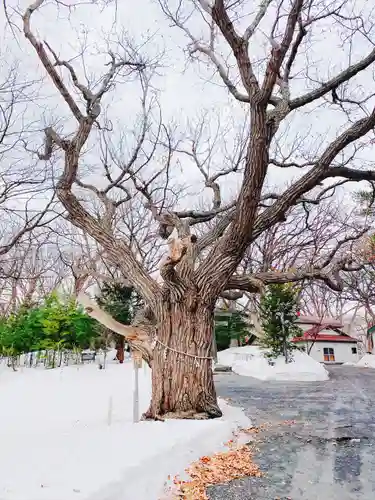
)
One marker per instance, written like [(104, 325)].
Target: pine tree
[(121, 302), (365, 200), (278, 311), (230, 326)]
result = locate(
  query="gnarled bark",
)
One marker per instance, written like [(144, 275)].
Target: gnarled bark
[(179, 355), (182, 376)]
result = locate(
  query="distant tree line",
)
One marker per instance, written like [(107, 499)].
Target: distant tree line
[(57, 328)]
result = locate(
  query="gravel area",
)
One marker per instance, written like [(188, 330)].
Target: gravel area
[(326, 449)]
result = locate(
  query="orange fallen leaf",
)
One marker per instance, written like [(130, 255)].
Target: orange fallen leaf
[(289, 422), (220, 468), (256, 430)]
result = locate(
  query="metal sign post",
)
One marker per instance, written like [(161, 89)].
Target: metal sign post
[(137, 363)]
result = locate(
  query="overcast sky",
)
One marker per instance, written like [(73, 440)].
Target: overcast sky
[(185, 89)]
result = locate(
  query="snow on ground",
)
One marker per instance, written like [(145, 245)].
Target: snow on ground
[(250, 361), (368, 361), (57, 441)]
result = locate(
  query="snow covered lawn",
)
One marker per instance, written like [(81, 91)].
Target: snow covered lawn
[(57, 441), (368, 361), (250, 361)]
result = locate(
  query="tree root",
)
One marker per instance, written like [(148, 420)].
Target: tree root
[(177, 415), (207, 408), (187, 415), (147, 416)]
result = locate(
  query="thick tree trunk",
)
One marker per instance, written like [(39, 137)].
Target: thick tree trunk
[(182, 377), (120, 352), (233, 342)]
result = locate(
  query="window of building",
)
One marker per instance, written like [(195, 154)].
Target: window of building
[(329, 354), (354, 350)]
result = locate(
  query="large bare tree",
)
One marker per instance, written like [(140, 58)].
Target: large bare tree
[(176, 330), (26, 203)]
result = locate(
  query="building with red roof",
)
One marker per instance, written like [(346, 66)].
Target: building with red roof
[(325, 341)]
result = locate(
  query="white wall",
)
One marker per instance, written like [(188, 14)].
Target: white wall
[(342, 350)]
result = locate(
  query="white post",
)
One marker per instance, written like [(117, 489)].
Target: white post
[(214, 348), (137, 364), (136, 392), (110, 410)]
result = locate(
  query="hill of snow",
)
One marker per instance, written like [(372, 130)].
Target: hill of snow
[(368, 361), (251, 362)]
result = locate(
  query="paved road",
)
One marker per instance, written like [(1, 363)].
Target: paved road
[(327, 454)]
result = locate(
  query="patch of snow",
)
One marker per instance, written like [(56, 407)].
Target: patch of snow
[(228, 356), (250, 361), (192, 439), (58, 441), (368, 361)]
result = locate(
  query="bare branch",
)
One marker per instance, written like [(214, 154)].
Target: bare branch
[(119, 251), (238, 45), (339, 79), (318, 173), (278, 52), (258, 18), (38, 46), (135, 335)]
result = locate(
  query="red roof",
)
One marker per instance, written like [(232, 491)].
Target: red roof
[(321, 337), (314, 334)]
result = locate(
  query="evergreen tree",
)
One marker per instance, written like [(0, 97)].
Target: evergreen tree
[(55, 326), (365, 200), (122, 303), (230, 326), (278, 312)]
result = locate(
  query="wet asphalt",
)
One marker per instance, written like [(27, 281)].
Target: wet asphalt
[(320, 444)]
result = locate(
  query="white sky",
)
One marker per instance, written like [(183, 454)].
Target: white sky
[(184, 91)]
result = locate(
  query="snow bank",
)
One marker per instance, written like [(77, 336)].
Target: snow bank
[(61, 441), (368, 361), (250, 361)]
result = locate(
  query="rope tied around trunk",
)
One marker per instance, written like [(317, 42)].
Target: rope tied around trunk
[(167, 348)]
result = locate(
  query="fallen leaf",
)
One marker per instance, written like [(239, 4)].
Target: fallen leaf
[(289, 422), (256, 430), (217, 469)]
